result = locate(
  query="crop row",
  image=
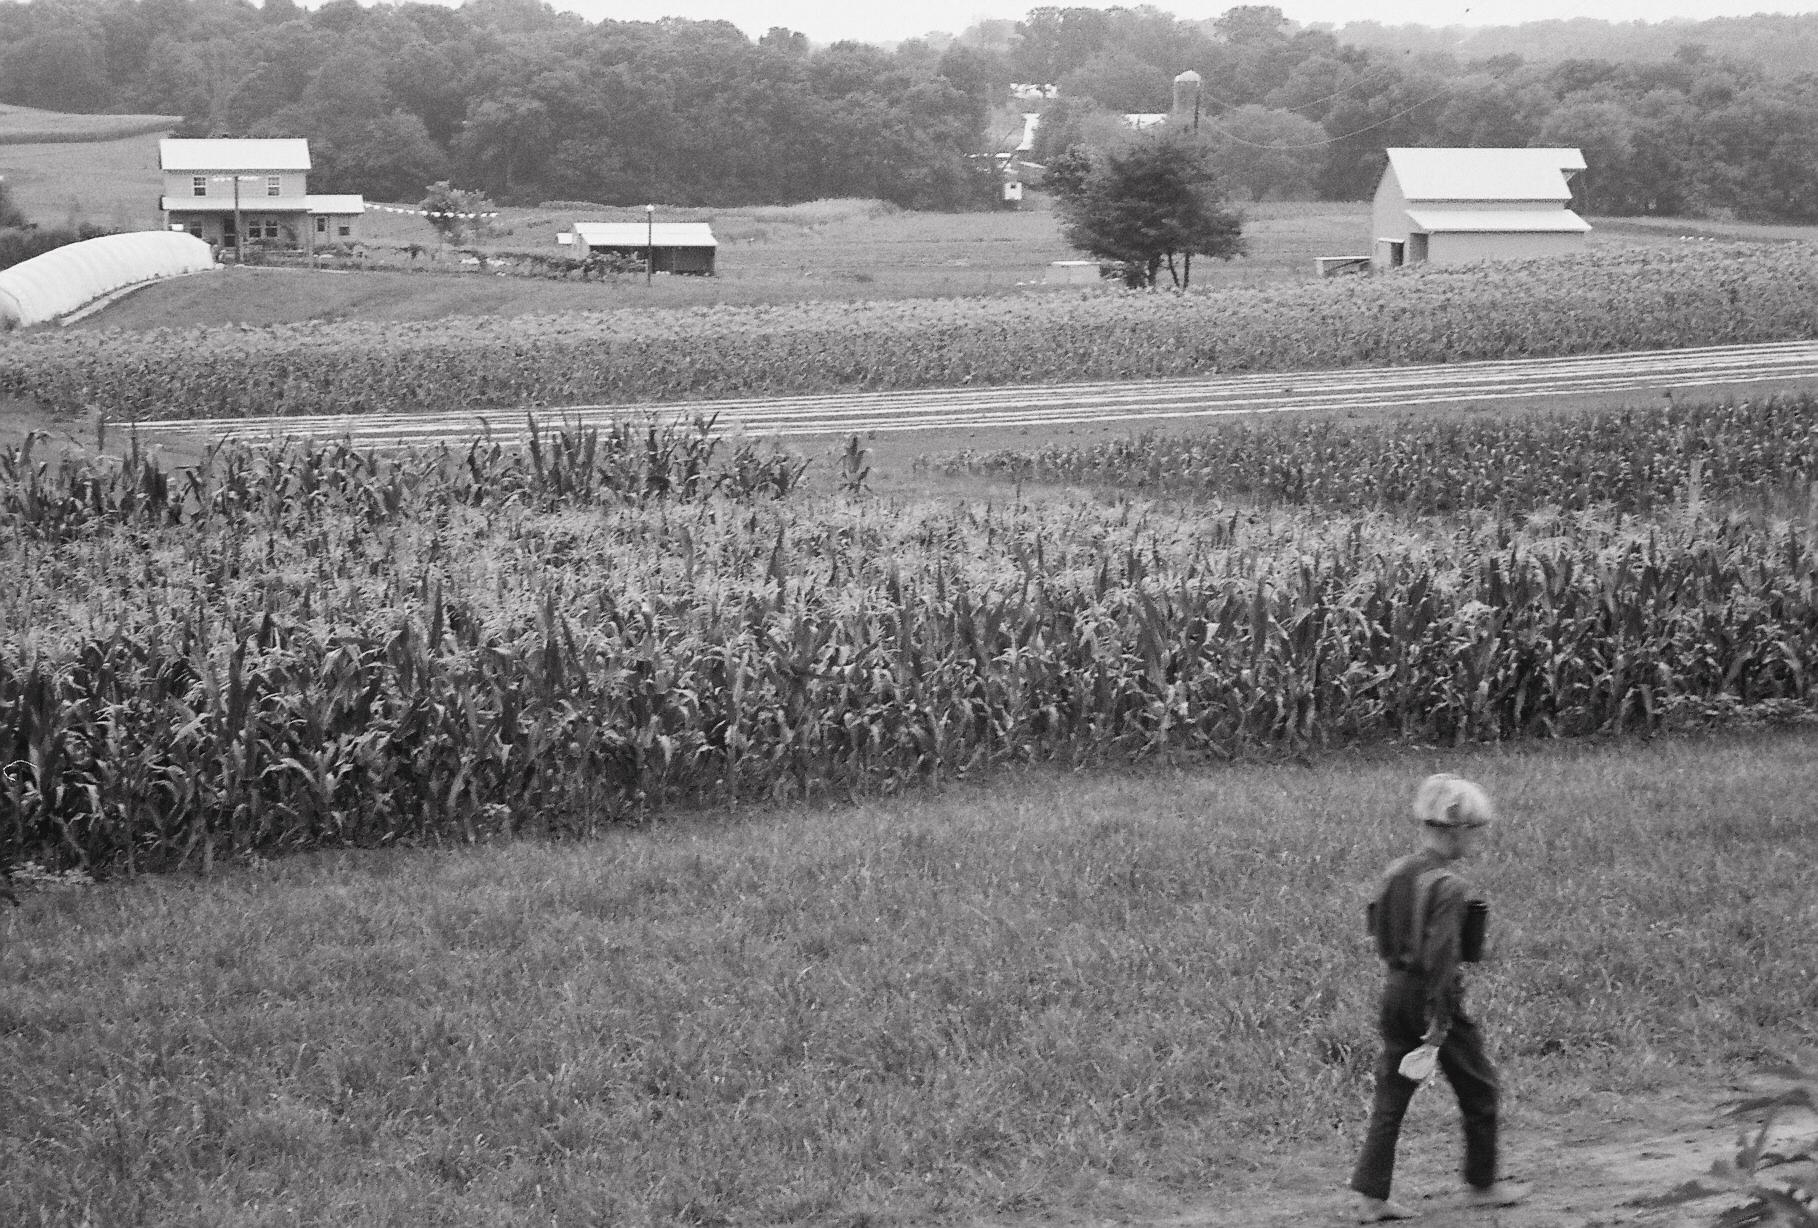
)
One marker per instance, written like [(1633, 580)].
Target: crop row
[(181, 691), (623, 463), (1612, 300), (1633, 460)]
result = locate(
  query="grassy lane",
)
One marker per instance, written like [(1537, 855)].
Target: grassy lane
[(1042, 991)]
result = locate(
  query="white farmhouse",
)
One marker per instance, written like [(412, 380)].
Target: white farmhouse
[(233, 191), (1451, 206)]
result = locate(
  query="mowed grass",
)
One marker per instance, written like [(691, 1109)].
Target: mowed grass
[(30, 126), (90, 172), (828, 250), (1030, 994), (844, 250), (840, 250)]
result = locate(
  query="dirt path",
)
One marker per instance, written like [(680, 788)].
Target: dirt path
[(1632, 1162), (1638, 377)]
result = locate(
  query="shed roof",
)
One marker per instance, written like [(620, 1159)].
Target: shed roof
[(640, 234), (188, 155), (1485, 174), (1498, 221)]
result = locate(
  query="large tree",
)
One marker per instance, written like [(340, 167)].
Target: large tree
[(1152, 203)]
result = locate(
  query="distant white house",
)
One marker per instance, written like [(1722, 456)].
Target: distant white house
[(253, 189), (1452, 206), (674, 247)]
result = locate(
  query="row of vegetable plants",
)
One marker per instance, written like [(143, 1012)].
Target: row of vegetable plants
[(172, 692), (1615, 299), (1634, 460), (624, 463)]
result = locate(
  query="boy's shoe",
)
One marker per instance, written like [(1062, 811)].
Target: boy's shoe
[(1501, 1194), (1381, 1210)]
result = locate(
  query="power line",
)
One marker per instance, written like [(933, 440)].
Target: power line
[(1330, 140), (1383, 70)]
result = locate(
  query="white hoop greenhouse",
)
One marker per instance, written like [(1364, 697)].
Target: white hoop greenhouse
[(66, 278)]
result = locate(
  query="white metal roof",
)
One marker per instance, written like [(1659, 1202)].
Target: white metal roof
[(1498, 221), (334, 203), (233, 154), (1485, 174), (65, 278), (639, 234)]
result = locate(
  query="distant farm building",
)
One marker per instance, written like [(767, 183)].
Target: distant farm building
[(253, 191), (673, 247), (1452, 206), (1186, 99), (1072, 273), (1031, 121)]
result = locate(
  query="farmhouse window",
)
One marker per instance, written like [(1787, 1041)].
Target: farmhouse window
[(198, 185), (274, 186), (344, 230), (271, 229), (321, 225)]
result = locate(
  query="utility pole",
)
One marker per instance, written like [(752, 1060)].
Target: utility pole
[(649, 242)]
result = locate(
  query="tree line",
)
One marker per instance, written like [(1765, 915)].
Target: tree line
[(1292, 112), (524, 103), (521, 102)]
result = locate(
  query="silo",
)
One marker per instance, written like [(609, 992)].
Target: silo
[(1186, 99)]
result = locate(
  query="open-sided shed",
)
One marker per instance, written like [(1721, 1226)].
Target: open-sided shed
[(673, 247)]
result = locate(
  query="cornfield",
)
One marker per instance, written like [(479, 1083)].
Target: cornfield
[(1631, 460), (624, 463), (1611, 301), (322, 648)]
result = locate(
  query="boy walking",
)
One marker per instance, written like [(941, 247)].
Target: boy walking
[(1426, 921)]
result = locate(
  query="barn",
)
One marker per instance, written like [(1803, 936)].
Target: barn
[(1453, 206), (674, 247)]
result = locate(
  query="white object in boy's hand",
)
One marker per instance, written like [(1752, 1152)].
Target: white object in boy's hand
[(1421, 1065)]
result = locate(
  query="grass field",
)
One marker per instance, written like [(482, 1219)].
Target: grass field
[(29, 126), (1043, 995), (858, 250), (852, 251), (843, 250), (108, 181), (1020, 995)]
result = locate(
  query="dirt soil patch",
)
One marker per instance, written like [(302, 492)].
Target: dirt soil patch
[(1609, 1162), (55, 436)]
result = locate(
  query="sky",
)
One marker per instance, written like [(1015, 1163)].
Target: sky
[(872, 21)]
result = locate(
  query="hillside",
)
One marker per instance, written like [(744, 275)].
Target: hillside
[(83, 176)]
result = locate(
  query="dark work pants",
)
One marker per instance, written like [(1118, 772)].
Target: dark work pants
[(1466, 1067)]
